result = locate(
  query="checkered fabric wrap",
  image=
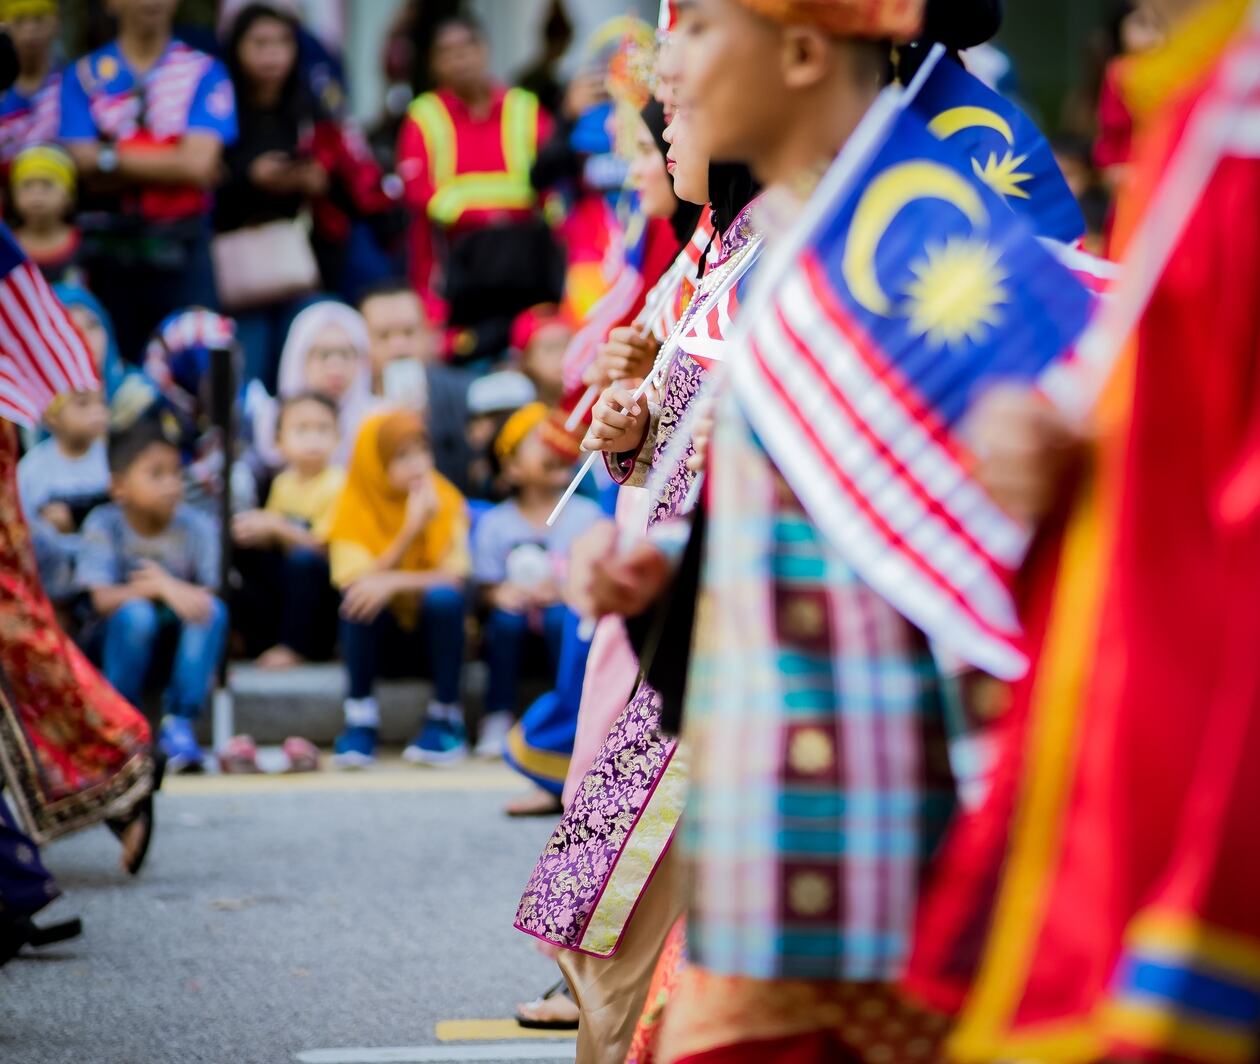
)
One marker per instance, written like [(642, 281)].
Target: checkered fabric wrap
[(815, 716)]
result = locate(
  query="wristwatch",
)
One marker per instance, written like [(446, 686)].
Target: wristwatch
[(107, 159)]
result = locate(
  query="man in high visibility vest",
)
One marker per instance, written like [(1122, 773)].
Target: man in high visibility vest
[(465, 153)]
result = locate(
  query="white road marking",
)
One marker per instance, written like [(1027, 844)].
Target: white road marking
[(441, 1054)]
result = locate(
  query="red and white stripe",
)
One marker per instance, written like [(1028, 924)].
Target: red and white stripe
[(708, 334), (42, 352), (669, 299), (169, 90), (881, 474)]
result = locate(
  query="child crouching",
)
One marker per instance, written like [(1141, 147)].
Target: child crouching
[(398, 548)]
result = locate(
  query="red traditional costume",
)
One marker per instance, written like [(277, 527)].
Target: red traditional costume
[(1103, 902)]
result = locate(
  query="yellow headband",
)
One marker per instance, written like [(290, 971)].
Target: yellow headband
[(15, 9), (44, 161), (517, 428)]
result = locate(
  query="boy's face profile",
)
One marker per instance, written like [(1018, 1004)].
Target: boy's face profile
[(544, 358), (80, 420), (39, 200), (308, 436), (93, 330), (153, 484)]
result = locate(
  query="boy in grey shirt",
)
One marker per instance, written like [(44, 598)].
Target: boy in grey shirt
[(149, 563)]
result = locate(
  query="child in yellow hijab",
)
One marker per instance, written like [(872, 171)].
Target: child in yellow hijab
[(398, 550)]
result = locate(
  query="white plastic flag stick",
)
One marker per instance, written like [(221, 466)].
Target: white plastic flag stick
[(583, 408)]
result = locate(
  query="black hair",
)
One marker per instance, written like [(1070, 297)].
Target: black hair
[(389, 286), (1113, 28), (1096, 207), (732, 187), (471, 23), (961, 24), (290, 401), (294, 100), (127, 445), (686, 215)]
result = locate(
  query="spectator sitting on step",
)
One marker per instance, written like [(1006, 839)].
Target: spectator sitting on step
[(326, 351), (398, 547), (492, 399), (407, 372), (518, 565), (287, 601), (59, 481), (149, 563)]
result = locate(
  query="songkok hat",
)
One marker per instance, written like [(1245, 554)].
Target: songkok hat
[(894, 19)]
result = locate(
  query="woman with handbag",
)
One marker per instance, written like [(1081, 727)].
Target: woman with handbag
[(296, 178)]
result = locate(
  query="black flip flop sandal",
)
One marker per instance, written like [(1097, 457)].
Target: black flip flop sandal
[(561, 988), (23, 931), (143, 811)]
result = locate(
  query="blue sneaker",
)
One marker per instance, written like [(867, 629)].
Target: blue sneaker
[(355, 747), (440, 742), (179, 744)]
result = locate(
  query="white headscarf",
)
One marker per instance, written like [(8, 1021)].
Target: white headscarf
[(352, 408)]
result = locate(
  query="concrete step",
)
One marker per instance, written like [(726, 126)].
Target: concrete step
[(306, 701)]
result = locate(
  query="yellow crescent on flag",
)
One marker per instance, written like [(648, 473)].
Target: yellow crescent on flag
[(885, 198)]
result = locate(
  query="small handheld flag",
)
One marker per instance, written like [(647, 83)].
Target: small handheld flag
[(1005, 148), (42, 353), (912, 289)]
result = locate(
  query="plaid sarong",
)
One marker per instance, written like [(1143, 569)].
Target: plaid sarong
[(816, 721)]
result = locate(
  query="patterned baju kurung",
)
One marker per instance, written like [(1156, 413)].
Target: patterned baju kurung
[(73, 752), (615, 834)]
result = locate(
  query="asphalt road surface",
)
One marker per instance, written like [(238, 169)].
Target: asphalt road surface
[(327, 919)]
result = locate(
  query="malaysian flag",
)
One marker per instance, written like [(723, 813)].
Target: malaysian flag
[(910, 288), (1004, 147), (42, 353), (706, 337), (668, 301)]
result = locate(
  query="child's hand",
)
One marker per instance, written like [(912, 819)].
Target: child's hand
[(618, 422), (191, 604), (150, 581), (254, 528), (59, 516), (625, 356), (511, 598), (367, 597), (422, 504)]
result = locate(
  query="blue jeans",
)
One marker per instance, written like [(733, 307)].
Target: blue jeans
[(384, 646), (132, 633), (506, 637)]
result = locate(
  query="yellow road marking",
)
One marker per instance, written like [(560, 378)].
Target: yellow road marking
[(490, 778), (491, 1031)]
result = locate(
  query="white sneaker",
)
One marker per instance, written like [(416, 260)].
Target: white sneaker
[(493, 734)]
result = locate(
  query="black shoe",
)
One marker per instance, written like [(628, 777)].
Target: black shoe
[(22, 931)]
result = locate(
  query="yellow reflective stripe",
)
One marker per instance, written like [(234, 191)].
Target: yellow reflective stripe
[(520, 131), (430, 114), (479, 192)]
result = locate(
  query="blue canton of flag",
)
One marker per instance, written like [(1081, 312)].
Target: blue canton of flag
[(915, 288), (1007, 150)]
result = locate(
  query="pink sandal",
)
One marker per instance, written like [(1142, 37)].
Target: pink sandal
[(303, 755), (239, 756)]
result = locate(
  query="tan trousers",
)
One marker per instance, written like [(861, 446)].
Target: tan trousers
[(611, 991)]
